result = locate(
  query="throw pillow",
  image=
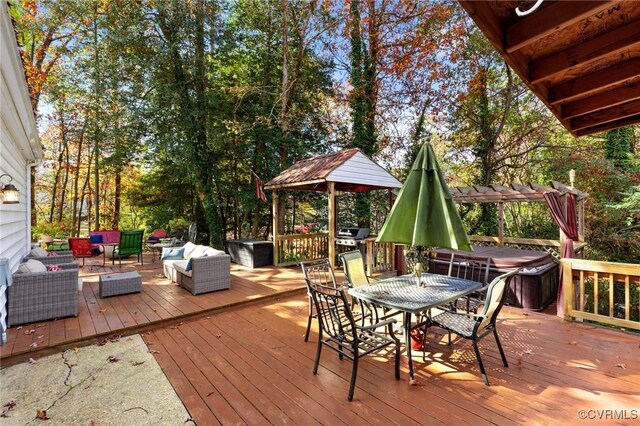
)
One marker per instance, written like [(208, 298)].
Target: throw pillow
[(53, 268), (32, 265), (189, 266), (188, 248), (95, 239), (172, 253), (38, 252)]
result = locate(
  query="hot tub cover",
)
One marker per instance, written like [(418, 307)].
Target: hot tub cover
[(505, 257)]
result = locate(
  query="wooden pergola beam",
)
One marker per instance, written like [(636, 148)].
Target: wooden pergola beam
[(606, 115), (604, 45), (624, 122), (607, 99), (548, 20), (595, 81)]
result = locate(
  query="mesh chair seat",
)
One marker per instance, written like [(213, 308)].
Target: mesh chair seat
[(461, 325)]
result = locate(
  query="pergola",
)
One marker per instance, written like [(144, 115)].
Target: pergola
[(581, 58), (517, 193), (345, 171)]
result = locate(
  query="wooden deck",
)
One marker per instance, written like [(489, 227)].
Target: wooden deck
[(250, 365), (238, 356), (160, 302)]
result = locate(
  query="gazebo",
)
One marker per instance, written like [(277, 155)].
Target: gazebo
[(337, 173)]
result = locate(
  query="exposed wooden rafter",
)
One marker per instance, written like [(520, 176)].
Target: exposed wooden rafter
[(596, 81), (606, 115), (623, 122), (581, 58), (610, 98), (610, 43), (515, 193), (549, 20)]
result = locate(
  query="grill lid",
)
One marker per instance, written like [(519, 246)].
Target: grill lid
[(356, 233)]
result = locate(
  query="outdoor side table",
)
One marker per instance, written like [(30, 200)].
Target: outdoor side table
[(120, 283)]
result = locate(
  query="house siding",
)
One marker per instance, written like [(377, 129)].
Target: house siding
[(19, 145)]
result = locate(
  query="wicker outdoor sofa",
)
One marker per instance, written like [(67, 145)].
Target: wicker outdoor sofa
[(39, 296), (197, 268)]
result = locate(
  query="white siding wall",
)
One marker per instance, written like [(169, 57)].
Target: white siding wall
[(19, 144), (361, 169)]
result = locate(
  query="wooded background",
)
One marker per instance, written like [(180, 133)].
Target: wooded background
[(154, 114)]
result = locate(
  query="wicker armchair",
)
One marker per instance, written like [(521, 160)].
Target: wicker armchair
[(39, 296)]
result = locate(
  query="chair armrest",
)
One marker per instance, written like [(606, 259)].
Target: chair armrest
[(390, 321)]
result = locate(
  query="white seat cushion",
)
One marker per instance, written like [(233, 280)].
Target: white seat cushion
[(32, 265), (38, 252)]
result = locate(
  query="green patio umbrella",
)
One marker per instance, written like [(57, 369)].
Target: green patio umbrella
[(424, 213)]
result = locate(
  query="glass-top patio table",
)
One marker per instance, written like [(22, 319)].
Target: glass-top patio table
[(404, 294)]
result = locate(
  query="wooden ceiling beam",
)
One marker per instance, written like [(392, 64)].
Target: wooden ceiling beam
[(595, 81), (604, 45), (549, 20), (624, 122), (602, 100), (605, 116)]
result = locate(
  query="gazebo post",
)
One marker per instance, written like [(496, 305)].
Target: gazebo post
[(332, 222), (274, 228)]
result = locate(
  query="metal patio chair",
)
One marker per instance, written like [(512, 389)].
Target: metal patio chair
[(476, 326), (474, 269), (339, 332)]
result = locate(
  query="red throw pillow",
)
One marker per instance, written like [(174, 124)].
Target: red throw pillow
[(53, 268), (52, 253)]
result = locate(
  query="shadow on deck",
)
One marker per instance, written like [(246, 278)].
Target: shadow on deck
[(160, 303)]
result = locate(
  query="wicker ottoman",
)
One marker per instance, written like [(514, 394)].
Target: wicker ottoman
[(122, 283)]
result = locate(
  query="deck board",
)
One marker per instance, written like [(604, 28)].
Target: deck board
[(556, 368), (158, 302)]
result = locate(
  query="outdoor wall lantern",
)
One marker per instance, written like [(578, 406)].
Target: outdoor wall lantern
[(10, 194)]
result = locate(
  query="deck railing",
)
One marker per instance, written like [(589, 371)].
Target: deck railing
[(296, 248), (551, 246), (604, 292), (379, 257)]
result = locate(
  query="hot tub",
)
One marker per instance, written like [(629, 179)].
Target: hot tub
[(534, 287)]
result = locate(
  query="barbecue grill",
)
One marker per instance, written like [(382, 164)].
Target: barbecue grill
[(351, 237)]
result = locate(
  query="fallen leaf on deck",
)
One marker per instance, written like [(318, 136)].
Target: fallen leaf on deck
[(113, 358), (31, 331), (218, 335), (41, 325), (524, 314), (7, 407), (622, 365), (18, 328), (32, 361), (153, 351), (528, 352), (573, 343), (42, 415), (103, 310), (137, 363), (33, 345), (40, 336), (76, 350)]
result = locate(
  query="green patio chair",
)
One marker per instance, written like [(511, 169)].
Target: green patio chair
[(130, 243)]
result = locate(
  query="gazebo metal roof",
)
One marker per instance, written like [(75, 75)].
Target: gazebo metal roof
[(350, 170)]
